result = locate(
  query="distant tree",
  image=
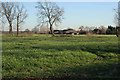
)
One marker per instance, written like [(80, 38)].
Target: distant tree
[(35, 30), (87, 28), (100, 30), (49, 12), (27, 30), (9, 12), (21, 15), (103, 29), (91, 29), (81, 28), (111, 30), (95, 31), (43, 29)]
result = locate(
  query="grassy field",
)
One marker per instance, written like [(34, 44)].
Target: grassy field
[(60, 57)]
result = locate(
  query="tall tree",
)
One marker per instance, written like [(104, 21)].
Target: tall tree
[(0, 11), (21, 15), (49, 12), (9, 12), (117, 19), (0, 16)]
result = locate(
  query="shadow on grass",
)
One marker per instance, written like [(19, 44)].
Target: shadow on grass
[(95, 49), (89, 48), (88, 71), (93, 70), (119, 50)]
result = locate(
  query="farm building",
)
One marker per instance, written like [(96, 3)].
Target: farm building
[(57, 31), (69, 31), (66, 31), (82, 32), (97, 31)]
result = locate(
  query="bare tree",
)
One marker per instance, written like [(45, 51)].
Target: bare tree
[(117, 19), (42, 29), (0, 11), (91, 29), (81, 28), (86, 28), (2, 19), (103, 29), (3, 22), (35, 30), (0, 15), (118, 14), (21, 15), (9, 11), (49, 12)]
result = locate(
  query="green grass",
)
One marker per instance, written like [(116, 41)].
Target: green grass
[(60, 57)]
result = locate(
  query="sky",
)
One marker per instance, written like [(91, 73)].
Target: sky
[(91, 14), (61, 0), (77, 14)]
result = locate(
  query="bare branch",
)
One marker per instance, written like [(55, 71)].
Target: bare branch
[(21, 15)]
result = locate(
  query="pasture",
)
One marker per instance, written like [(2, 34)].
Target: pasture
[(60, 57)]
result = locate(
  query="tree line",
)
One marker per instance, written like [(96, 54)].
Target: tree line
[(101, 30)]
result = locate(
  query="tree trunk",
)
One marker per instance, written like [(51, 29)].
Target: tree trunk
[(51, 30), (10, 29), (117, 32), (17, 27)]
